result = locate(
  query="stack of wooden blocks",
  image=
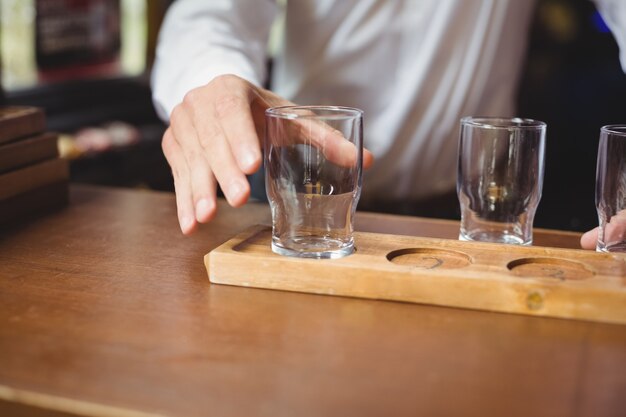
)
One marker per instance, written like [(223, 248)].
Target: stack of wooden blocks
[(33, 178)]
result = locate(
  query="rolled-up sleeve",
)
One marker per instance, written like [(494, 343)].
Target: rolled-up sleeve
[(614, 14), (201, 39)]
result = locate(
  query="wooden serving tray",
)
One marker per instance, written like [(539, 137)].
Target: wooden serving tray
[(565, 283)]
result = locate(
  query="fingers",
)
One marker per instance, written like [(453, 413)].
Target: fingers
[(368, 159), (614, 231), (232, 111), (182, 185), (331, 142), (334, 146), (588, 239), (213, 139), (222, 117), (201, 180)]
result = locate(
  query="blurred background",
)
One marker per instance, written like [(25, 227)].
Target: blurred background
[(87, 64)]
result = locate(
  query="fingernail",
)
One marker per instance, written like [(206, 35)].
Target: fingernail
[(235, 190), (204, 209), (249, 161), (186, 223)]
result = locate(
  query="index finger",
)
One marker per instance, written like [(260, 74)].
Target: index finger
[(300, 125)]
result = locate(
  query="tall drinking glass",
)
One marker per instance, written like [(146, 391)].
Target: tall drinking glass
[(611, 189), (500, 177), (313, 170)]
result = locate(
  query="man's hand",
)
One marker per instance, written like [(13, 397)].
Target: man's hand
[(614, 231), (588, 239), (214, 137)]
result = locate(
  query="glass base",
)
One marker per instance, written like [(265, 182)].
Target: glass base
[(312, 247), (615, 247), (494, 237)]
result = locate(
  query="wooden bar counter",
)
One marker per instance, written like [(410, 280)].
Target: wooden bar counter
[(106, 310)]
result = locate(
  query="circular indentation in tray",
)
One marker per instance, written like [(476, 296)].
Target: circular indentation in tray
[(429, 258), (549, 268)]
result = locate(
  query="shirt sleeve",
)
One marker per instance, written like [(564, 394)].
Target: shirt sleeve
[(614, 14), (201, 39)]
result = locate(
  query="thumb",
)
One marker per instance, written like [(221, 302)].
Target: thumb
[(588, 239)]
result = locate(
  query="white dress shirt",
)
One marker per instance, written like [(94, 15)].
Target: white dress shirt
[(414, 66)]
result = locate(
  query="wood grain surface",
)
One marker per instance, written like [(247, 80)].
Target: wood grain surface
[(33, 203), (106, 310), (17, 122), (28, 151), (33, 176), (539, 281)]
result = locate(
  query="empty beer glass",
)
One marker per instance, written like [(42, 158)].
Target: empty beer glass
[(313, 169), (500, 177), (611, 189)]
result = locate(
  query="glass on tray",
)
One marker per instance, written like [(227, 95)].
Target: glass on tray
[(313, 169), (611, 189), (499, 178)]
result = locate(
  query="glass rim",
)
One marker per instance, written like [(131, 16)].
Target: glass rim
[(290, 112), (502, 122), (617, 129)]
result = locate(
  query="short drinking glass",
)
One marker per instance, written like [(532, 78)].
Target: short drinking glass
[(313, 170), (499, 178), (611, 189)]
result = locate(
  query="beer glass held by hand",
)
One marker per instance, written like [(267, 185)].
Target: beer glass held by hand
[(499, 178), (313, 171), (611, 189)]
